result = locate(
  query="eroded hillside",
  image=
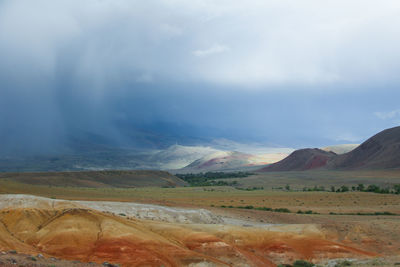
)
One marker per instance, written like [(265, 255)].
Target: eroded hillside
[(71, 230)]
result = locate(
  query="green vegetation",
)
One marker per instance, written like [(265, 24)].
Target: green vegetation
[(249, 207), (315, 188), (343, 263), (212, 183), (251, 188), (378, 213), (376, 189), (307, 212), (298, 263), (359, 188), (302, 263), (285, 210), (208, 178)]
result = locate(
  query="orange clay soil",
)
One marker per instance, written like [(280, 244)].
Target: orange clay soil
[(87, 235)]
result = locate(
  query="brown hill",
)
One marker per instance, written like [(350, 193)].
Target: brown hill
[(301, 160), (381, 151), (123, 179)]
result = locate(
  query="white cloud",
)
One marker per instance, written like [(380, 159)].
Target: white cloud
[(287, 43), (215, 49)]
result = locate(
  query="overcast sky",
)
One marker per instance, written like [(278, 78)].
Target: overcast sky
[(287, 73)]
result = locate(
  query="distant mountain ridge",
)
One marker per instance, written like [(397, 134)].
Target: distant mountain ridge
[(232, 160), (381, 151), (178, 156), (222, 160)]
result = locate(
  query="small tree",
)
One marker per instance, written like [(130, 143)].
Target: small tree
[(360, 187), (302, 263), (397, 188), (373, 188), (344, 188)]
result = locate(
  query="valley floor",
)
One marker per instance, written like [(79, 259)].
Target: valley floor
[(203, 226)]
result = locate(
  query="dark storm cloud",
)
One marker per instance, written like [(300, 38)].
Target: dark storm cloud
[(274, 71)]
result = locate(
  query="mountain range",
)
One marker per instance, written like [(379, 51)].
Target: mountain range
[(381, 151), (92, 152)]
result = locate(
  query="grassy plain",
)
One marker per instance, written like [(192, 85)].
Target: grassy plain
[(272, 196)]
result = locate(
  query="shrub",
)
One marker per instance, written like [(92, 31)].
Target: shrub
[(344, 188), (373, 188), (264, 208), (343, 263), (282, 210), (397, 189), (302, 263)]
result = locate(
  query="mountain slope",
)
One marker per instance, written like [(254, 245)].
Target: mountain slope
[(340, 149), (381, 151), (220, 160), (177, 156), (231, 160), (122, 179), (301, 160)]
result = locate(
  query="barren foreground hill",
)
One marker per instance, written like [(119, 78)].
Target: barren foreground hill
[(73, 231)]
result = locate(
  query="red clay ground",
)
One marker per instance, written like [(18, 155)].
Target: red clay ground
[(88, 235)]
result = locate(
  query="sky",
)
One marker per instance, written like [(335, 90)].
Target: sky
[(282, 73)]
